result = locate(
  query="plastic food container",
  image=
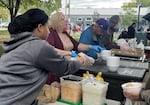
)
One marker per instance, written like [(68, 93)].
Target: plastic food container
[(71, 89), (70, 78), (132, 86), (94, 94)]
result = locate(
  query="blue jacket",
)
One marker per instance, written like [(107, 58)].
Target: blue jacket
[(89, 37)]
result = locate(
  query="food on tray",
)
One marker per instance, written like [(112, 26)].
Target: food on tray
[(71, 91), (129, 52), (129, 85)]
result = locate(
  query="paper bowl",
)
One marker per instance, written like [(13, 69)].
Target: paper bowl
[(131, 86), (113, 68), (105, 54)]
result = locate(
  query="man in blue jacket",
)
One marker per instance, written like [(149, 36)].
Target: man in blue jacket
[(96, 34)]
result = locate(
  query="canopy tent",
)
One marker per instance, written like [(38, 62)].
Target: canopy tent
[(147, 17)]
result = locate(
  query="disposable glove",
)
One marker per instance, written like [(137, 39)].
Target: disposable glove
[(97, 48), (73, 54)]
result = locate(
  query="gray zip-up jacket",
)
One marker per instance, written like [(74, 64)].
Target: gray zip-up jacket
[(24, 68)]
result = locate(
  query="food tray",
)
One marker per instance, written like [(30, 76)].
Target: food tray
[(129, 53)]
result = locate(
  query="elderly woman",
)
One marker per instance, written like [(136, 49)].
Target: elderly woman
[(61, 40), (28, 58)]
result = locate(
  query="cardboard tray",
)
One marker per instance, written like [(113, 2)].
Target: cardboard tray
[(128, 53)]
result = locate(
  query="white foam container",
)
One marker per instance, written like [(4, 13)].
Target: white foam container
[(94, 95)]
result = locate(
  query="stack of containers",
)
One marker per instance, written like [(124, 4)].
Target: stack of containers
[(88, 91), (94, 90)]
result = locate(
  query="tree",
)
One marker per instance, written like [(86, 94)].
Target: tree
[(3, 14), (129, 16), (134, 3), (14, 5)]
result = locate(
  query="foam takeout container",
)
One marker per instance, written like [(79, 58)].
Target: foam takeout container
[(131, 86)]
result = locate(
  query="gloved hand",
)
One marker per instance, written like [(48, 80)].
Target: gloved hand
[(97, 48), (73, 54)]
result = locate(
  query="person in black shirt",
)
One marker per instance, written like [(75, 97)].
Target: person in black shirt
[(131, 31)]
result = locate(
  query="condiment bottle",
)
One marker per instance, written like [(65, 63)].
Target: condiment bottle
[(87, 74), (99, 77)]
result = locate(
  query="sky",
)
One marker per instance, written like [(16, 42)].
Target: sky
[(95, 3)]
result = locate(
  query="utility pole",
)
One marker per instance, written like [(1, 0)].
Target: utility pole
[(139, 6), (69, 11), (65, 7)]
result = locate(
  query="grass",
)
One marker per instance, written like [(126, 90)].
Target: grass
[(4, 36), (3, 31)]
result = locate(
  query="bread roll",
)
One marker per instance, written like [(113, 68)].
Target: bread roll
[(49, 94)]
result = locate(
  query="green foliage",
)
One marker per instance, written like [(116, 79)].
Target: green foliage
[(134, 3), (76, 35), (129, 16), (3, 33), (14, 5), (4, 13), (47, 5), (130, 4), (144, 3), (1, 50), (4, 36)]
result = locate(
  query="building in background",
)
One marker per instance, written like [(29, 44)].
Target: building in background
[(86, 16)]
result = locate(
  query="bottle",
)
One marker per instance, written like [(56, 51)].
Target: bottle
[(99, 77), (87, 74)]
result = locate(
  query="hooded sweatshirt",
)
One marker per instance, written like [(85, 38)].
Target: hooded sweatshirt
[(24, 68)]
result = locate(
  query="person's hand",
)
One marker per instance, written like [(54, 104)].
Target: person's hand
[(132, 94), (73, 54), (97, 48), (86, 59)]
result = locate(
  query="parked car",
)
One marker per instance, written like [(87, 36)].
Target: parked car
[(4, 24)]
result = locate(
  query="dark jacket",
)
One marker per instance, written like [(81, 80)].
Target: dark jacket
[(131, 32)]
